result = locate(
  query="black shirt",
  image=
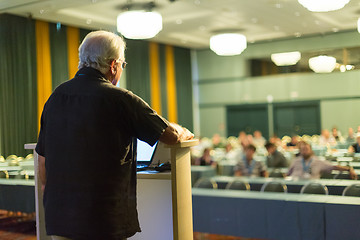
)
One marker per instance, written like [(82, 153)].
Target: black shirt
[(87, 127), (276, 160), (356, 148)]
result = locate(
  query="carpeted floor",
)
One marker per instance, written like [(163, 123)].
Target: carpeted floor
[(17, 226), (22, 226), (206, 236)]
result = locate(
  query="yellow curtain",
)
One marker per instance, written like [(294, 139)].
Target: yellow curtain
[(44, 80), (155, 89), (171, 84), (73, 50)]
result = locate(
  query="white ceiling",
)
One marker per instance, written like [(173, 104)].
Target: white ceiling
[(190, 23)]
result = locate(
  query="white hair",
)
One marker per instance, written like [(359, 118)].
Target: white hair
[(99, 48)]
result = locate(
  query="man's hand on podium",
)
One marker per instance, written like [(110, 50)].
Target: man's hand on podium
[(175, 133)]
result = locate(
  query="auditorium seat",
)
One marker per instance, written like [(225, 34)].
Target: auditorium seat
[(205, 183), (274, 186), (352, 190), (314, 188), (238, 185), (3, 174)]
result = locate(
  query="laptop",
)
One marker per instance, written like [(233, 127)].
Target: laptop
[(144, 154)]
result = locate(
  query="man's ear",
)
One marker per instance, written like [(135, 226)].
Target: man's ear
[(112, 66)]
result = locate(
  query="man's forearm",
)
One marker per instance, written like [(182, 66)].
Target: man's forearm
[(42, 170)]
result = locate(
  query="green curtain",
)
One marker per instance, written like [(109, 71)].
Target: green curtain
[(18, 103), (137, 70), (184, 87), (163, 82), (83, 33), (59, 56)]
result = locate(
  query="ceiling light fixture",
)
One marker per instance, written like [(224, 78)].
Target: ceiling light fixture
[(286, 58), (228, 44), (323, 5), (139, 22), (322, 64)]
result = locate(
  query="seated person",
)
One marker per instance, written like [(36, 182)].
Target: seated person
[(336, 134), (230, 152), (258, 140), (351, 136), (206, 159), (217, 141), (275, 140), (326, 139), (355, 148), (248, 166), (275, 159), (309, 166), (293, 143)]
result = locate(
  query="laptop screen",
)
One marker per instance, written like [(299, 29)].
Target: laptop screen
[(144, 152)]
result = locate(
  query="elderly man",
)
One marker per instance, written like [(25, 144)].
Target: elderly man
[(85, 146), (309, 166)]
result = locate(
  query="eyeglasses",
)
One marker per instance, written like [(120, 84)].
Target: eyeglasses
[(123, 63)]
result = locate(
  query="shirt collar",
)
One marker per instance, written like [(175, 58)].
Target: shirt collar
[(92, 72)]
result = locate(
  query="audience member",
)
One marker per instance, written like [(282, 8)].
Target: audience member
[(243, 139), (275, 140), (309, 166), (248, 166), (351, 136), (217, 141), (355, 148), (258, 140), (275, 159), (326, 139), (293, 143), (230, 152), (206, 159), (336, 134)]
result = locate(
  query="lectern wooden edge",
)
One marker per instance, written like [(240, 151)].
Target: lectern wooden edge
[(40, 222), (181, 189)]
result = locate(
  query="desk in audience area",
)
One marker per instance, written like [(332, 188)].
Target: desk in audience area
[(17, 195), (198, 172), (335, 186), (275, 215)]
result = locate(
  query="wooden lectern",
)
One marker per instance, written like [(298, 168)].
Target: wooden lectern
[(157, 193), (181, 189)]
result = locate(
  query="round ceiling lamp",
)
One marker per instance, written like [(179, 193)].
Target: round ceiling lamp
[(139, 24), (322, 64), (323, 5), (286, 58), (228, 44)]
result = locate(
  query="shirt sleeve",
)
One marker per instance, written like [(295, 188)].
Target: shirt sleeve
[(239, 167), (291, 168), (146, 123), (326, 166)]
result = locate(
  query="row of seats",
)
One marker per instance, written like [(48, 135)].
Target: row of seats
[(13, 160), (277, 186)]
